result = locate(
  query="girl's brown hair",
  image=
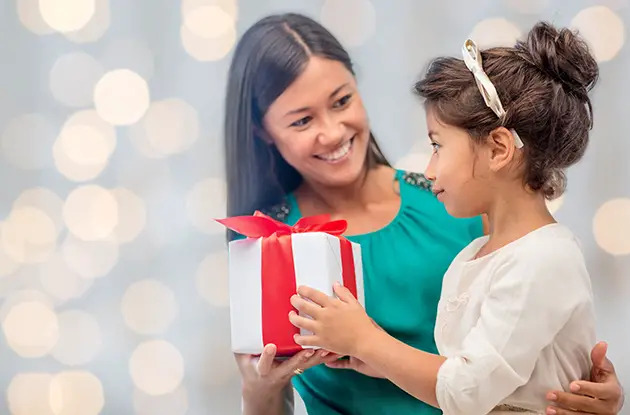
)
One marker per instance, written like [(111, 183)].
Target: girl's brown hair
[(543, 83)]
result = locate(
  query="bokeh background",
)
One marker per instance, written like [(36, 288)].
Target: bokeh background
[(113, 283)]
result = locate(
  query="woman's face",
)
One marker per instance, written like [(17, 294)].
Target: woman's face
[(319, 124)]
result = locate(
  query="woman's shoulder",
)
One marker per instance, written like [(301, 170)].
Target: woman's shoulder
[(427, 212), (414, 180), (280, 211), (415, 188)]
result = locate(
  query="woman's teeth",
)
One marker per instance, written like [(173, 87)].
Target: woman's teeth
[(337, 154)]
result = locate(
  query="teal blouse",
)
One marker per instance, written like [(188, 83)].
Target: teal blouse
[(403, 267)]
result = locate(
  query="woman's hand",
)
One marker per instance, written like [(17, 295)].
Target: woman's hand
[(265, 379), (602, 395)]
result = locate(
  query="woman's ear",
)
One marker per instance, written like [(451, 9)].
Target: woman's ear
[(262, 133)]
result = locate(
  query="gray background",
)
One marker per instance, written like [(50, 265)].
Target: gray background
[(113, 287)]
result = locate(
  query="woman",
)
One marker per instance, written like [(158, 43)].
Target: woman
[(298, 143)]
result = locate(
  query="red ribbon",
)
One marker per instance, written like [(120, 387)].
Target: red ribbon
[(278, 269)]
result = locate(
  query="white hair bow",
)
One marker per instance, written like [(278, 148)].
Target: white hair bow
[(472, 58)]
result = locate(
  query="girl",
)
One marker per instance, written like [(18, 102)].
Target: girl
[(515, 316), (298, 142)]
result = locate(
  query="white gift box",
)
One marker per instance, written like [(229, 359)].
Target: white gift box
[(256, 315)]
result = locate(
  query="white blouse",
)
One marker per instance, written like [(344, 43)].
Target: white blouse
[(514, 324)]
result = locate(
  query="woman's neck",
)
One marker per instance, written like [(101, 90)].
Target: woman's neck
[(370, 187)]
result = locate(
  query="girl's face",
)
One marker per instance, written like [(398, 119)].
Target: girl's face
[(458, 170), (319, 124)]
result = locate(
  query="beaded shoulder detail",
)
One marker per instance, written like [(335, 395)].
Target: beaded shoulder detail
[(416, 179), (279, 212)]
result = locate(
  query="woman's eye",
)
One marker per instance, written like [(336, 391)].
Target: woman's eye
[(342, 101), (302, 122)]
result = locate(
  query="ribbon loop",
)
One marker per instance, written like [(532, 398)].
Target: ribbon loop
[(260, 225)]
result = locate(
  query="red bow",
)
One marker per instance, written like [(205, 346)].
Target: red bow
[(262, 226)]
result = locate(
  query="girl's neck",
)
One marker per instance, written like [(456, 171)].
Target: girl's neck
[(512, 216)]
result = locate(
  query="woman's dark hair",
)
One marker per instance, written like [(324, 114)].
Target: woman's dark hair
[(543, 84), (268, 58)]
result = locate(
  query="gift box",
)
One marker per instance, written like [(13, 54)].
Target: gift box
[(266, 268)]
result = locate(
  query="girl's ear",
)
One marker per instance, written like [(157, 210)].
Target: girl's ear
[(502, 150)]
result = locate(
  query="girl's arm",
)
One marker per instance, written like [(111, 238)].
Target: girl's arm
[(521, 314)]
